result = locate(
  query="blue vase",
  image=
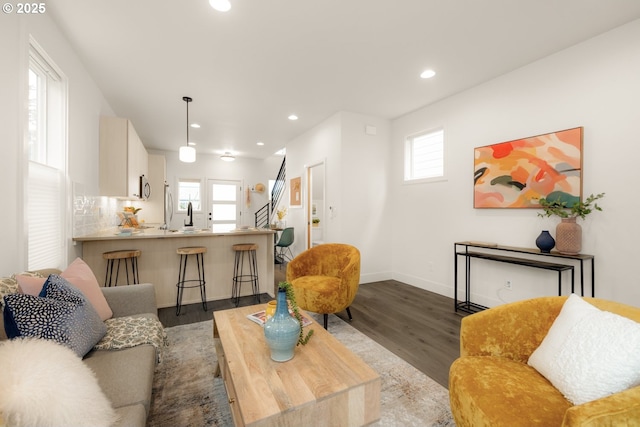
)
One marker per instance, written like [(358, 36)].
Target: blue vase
[(282, 330), (545, 242)]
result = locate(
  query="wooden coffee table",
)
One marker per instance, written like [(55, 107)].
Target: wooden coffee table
[(325, 384)]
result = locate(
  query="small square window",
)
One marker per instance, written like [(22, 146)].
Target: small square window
[(424, 156), (189, 191)]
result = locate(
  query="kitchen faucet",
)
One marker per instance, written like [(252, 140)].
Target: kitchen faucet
[(189, 215)]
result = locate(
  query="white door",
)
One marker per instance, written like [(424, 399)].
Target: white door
[(225, 202)]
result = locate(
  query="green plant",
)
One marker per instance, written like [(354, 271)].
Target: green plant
[(316, 220), (291, 297), (555, 205)]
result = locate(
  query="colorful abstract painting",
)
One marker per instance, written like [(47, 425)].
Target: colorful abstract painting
[(515, 174)]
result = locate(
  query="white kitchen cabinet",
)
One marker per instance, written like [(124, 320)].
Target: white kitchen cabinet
[(123, 159)]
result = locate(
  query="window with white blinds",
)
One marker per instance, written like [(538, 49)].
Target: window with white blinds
[(46, 147), (424, 156)]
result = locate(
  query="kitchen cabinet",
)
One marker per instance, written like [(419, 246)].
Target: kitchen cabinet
[(123, 159)]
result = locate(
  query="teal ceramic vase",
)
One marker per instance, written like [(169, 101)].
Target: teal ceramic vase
[(282, 330)]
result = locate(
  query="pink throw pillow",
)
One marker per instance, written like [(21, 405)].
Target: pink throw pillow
[(79, 275), (30, 285)]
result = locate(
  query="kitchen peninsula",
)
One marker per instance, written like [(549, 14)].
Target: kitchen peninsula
[(158, 263)]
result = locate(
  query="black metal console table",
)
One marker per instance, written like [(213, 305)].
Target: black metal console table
[(519, 256)]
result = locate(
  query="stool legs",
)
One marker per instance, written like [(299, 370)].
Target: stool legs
[(239, 276), (182, 271), (134, 271)]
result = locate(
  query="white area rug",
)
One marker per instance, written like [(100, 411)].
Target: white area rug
[(185, 392)]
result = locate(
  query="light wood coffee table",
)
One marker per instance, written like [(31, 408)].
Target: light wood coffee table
[(325, 384)]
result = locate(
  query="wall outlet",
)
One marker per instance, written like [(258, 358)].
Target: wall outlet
[(508, 285)]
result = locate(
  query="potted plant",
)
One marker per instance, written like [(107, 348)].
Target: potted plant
[(315, 221), (283, 331), (568, 231)]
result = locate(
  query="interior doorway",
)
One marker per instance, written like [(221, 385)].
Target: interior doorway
[(316, 217)]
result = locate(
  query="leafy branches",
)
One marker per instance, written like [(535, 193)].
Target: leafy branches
[(581, 208)]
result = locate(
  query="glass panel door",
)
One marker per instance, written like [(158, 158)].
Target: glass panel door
[(225, 205)]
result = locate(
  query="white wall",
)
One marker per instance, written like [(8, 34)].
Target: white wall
[(207, 166), (85, 105), (356, 197), (596, 85)]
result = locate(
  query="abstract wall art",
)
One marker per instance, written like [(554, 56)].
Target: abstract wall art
[(515, 174)]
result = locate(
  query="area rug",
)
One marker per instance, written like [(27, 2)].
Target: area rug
[(185, 392)]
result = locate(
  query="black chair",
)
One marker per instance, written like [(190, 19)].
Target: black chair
[(283, 250)]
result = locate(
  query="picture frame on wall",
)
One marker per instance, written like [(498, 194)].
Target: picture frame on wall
[(516, 174), (295, 192)]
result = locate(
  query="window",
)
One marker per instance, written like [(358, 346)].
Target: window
[(189, 191), (46, 148), (424, 156)]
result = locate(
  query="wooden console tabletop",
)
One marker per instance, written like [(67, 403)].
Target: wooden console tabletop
[(325, 384)]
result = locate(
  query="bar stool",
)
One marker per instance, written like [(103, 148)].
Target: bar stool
[(243, 250), (184, 253), (123, 255)]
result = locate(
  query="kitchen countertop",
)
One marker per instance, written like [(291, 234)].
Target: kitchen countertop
[(155, 233)]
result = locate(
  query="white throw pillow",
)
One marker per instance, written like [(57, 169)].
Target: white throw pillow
[(46, 384), (588, 353)]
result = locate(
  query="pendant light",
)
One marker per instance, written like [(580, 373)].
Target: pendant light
[(227, 157), (187, 153)]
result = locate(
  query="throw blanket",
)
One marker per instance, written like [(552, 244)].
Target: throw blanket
[(128, 331)]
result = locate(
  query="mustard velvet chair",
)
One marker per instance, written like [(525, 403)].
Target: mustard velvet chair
[(325, 278), (492, 385)]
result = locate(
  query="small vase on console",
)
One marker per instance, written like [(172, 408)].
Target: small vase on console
[(282, 330), (545, 242)]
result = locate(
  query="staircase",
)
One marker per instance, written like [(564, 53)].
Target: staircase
[(264, 214)]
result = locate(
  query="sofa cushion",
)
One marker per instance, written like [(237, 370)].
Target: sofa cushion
[(589, 353), (79, 274), (125, 376), (500, 392), (60, 313), (46, 384)]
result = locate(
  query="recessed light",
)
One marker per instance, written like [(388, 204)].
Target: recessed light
[(427, 74), (195, 125), (191, 143), (260, 143), (220, 5), (293, 117)]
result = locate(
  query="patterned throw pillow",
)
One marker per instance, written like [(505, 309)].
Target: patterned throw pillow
[(60, 313)]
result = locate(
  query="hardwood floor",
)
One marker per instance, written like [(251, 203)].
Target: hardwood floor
[(417, 325)]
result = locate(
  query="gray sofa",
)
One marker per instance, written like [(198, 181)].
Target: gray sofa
[(126, 375)]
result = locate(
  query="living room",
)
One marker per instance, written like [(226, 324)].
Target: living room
[(406, 232)]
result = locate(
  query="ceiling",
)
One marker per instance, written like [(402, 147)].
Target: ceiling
[(250, 68)]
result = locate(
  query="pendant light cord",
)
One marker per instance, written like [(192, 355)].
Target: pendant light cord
[(187, 100)]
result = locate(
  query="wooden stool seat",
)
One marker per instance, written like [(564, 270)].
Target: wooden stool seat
[(200, 282), (191, 250), (245, 247), (239, 276), (122, 255)]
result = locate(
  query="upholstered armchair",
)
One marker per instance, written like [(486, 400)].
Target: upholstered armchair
[(325, 278), (491, 383)]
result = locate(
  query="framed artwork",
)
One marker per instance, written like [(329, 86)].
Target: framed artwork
[(295, 192), (515, 174)]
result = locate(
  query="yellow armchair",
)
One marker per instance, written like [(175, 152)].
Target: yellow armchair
[(492, 385), (325, 278)]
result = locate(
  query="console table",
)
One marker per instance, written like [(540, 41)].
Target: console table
[(527, 257)]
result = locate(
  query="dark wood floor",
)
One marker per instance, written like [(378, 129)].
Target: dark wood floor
[(419, 326)]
